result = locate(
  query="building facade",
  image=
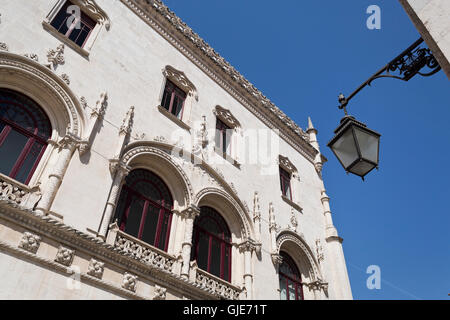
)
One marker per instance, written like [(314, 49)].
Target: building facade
[(136, 163)]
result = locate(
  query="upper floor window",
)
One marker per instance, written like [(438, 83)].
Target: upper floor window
[(73, 24), (144, 209), (285, 182), (290, 280), (223, 137), (24, 131), (173, 99), (212, 243)]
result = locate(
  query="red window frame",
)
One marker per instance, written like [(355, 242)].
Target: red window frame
[(221, 137), (164, 209), (224, 239), (296, 279), (171, 91), (34, 136), (86, 23), (285, 182)]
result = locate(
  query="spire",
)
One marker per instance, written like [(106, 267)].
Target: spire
[(310, 126)]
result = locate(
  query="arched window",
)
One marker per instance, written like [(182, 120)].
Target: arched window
[(290, 280), (212, 243), (24, 131), (144, 208)]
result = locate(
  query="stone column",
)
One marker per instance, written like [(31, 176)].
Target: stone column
[(247, 248), (120, 172), (189, 217), (66, 147)]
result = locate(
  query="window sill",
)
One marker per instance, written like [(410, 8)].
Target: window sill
[(174, 119), (291, 203), (48, 27), (227, 158)]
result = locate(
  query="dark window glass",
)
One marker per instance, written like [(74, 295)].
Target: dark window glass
[(223, 136), (290, 280), (173, 99), (285, 182), (144, 208), (75, 28), (212, 243), (24, 131)]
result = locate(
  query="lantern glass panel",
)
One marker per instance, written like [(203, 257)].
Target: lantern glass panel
[(362, 168), (345, 148), (368, 145)]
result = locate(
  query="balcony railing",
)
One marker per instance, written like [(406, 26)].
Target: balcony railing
[(217, 286), (12, 190), (143, 252)]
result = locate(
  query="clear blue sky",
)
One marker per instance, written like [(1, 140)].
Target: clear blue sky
[(301, 55)]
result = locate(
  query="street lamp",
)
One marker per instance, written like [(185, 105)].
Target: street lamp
[(354, 144)]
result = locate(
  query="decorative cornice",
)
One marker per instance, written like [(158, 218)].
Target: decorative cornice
[(182, 37), (181, 80), (286, 164), (226, 116)]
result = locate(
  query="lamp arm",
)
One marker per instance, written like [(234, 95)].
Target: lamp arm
[(407, 64)]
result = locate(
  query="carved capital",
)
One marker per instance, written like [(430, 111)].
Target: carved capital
[(249, 245), (191, 212), (115, 165), (276, 259)]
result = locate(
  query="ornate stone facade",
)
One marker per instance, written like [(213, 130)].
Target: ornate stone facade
[(64, 220)]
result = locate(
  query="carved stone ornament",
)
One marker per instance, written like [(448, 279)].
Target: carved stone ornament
[(129, 282), (181, 80), (286, 164), (127, 122), (30, 242), (96, 268), (55, 57), (160, 293), (11, 192), (226, 116), (294, 221), (100, 106), (65, 256), (65, 78), (3, 46), (319, 251), (256, 207), (272, 224), (276, 259), (32, 56)]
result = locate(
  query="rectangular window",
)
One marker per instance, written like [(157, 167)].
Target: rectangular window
[(173, 99), (223, 137), (285, 182), (76, 28)]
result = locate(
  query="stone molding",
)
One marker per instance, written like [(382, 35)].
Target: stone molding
[(181, 80), (226, 116), (176, 32)]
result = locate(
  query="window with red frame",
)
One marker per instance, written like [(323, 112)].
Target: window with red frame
[(144, 209), (285, 181), (24, 132), (77, 29), (212, 243), (173, 99), (290, 280), (223, 136)]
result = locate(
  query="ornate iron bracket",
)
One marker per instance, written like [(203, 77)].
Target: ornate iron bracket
[(407, 64)]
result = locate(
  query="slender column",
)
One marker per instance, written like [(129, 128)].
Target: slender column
[(272, 229), (329, 227), (121, 171), (66, 148), (257, 217), (189, 216), (247, 248)]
